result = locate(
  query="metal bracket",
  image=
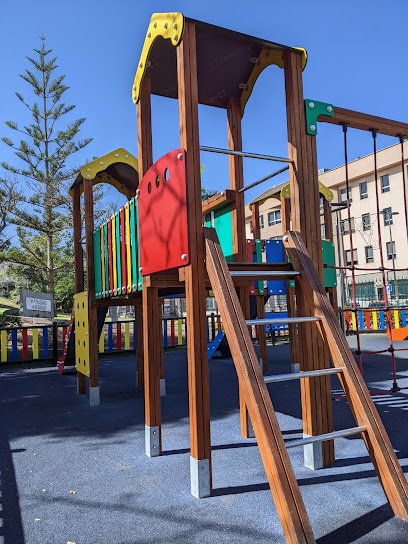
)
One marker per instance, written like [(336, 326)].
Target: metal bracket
[(200, 477), (313, 109), (152, 441)]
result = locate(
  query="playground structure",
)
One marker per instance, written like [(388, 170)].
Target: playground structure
[(164, 249)]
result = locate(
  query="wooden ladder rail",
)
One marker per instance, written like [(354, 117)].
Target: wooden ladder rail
[(375, 437), (279, 471)]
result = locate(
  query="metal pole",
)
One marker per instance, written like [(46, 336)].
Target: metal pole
[(264, 179), (393, 258), (245, 154)]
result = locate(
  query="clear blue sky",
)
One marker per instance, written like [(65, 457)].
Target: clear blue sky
[(357, 59)]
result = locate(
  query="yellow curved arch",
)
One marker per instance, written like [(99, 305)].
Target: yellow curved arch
[(166, 25), (285, 191)]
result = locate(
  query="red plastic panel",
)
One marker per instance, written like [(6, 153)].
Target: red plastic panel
[(162, 206)]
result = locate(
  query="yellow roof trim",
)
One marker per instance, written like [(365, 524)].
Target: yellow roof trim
[(167, 25), (285, 191), (95, 169), (266, 58)]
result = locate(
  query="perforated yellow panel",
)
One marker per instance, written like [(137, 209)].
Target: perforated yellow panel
[(81, 333)]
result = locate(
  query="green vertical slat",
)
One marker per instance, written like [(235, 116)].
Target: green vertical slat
[(139, 277), (105, 239), (223, 227), (133, 229), (118, 266), (258, 248), (329, 258), (98, 263)]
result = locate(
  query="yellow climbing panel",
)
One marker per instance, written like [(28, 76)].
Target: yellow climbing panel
[(81, 333)]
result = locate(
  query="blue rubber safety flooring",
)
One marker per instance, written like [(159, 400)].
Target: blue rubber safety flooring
[(74, 473)]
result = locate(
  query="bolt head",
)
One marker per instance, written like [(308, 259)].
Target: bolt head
[(312, 128), (311, 105), (329, 109), (175, 37), (134, 97), (141, 65), (137, 192), (180, 156), (149, 34), (116, 154), (126, 156), (88, 169), (88, 176), (285, 238), (140, 270), (165, 25), (175, 26), (155, 25), (184, 257)]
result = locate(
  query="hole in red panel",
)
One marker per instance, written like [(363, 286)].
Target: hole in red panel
[(166, 175), (149, 188), (157, 181)]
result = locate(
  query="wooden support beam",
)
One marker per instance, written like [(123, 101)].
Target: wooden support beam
[(217, 201), (151, 370), (363, 121), (144, 129), (256, 229), (139, 341), (305, 216), (79, 263), (90, 282), (198, 379)]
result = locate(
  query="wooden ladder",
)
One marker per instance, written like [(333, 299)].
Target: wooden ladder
[(273, 450)]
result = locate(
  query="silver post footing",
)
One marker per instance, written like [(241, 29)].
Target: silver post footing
[(200, 477), (94, 396), (313, 454), (152, 441)]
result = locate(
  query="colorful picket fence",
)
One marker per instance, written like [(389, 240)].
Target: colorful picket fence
[(46, 342), (374, 320)]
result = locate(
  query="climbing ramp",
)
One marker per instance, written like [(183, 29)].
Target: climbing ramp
[(273, 449)]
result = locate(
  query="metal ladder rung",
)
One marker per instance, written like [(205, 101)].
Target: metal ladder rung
[(300, 375), (277, 320), (263, 274), (324, 437)]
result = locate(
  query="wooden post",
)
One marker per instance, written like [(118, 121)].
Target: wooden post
[(151, 370), (305, 215), (290, 295), (90, 282), (79, 263), (199, 398), (236, 171)]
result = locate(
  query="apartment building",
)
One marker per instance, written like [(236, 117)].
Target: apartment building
[(363, 224)]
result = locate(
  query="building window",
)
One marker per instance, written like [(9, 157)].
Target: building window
[(348, 257), (251, 228), (344, 226), (363, 190), (261, 222), (274, 218), (323, 231), (366, 221), (387, 214), (385, 183), (369, 254), (343, 197), (391, 253)]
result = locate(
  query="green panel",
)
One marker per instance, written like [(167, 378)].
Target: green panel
[(313, 109), (139, 277), (118, 266), (105, 237), (133, 229), (330, 259), (98, 263), (258, 248), (222, 225)]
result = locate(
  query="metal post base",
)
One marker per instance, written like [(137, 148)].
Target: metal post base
[(94, 396), (313, 454), (162, 387), (200, 478), (152, 441), (251, 433), (294, 368)]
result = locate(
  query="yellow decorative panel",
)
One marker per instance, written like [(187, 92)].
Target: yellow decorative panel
[(82, 333)]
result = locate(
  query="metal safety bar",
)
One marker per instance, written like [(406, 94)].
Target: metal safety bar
[(244, 154), (324, 437), (264, 179), (263, 273), (281, 320), (300, 375)]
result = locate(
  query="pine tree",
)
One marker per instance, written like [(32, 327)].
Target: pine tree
[(43, 215)]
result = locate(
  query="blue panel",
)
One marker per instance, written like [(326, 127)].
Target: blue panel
[(382, 323), (165, 341), (276, 315), (45, 342), (110, 337), (404, 318), (14, 355), (275, 254), (360, 320)]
